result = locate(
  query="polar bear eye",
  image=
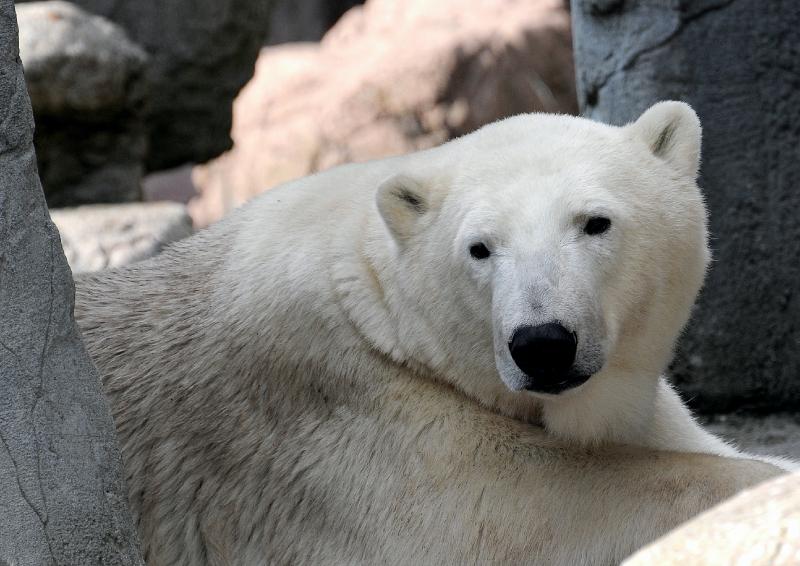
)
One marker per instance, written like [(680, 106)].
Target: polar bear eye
[(479, 251), (596, 225)]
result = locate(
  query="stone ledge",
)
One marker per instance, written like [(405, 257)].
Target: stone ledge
[(768, 435), (104, 236)]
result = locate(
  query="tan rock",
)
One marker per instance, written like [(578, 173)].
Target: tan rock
[(391, 77), (759, 527)]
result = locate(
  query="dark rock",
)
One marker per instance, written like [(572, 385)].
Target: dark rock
[(87, 89), (76, 62), (61, 488), (305, 20), (738, 65), (202, 52)]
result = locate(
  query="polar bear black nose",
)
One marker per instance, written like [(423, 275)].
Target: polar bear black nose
[(545, 353)]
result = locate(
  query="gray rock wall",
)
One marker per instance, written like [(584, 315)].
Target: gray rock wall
[(62, 497), (738, 64)]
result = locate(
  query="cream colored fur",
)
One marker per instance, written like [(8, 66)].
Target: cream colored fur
[(316, 379)]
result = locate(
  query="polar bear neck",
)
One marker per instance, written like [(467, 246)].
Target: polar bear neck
[(390, 321), (360, 279)]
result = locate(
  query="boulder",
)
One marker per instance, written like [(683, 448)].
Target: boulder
[(759, 527), (390, 77), (62, 492), (102, 236), (766, 435), (87, 87), (202, 53)]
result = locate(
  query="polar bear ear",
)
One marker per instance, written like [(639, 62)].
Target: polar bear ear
[(672, 132), (402, 202)]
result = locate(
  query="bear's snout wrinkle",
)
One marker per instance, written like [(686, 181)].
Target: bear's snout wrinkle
[(546, 354)]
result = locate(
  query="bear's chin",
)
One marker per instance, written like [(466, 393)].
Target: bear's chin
[(548, 386)]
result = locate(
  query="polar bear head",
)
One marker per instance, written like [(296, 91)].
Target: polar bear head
[(550, 250)]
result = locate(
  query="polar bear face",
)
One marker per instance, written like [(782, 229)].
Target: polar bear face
[(552, 248)]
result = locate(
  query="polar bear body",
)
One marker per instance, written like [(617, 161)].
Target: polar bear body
[(425, 304), (324, 376)]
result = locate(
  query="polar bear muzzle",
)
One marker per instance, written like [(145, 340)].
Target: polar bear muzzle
[(546, 354)]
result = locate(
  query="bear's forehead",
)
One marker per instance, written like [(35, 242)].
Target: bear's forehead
[(545, 145), (528, 169), (562, 159), (543, 197), (546, 130)]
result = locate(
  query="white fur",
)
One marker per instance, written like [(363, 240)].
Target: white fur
[(323, 376), (525, 186)]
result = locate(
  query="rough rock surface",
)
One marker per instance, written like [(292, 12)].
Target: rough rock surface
[(740, 349), (202, 52), (759, 527), (101, 236), (74, 61), (62, 496), (768, 435), (390, 77), (87, 87)]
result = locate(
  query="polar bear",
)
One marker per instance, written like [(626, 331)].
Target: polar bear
[(448, 356)]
